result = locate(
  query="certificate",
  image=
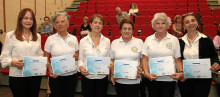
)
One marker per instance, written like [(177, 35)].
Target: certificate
[(63, 64), (197, 68), (125, 69), (34, 66), (98, 65), (162, 65)]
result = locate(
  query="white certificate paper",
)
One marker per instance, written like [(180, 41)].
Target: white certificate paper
[(98, 65), (197, 68), (162, 65), (34, 66), (63, 64), (125, 69)]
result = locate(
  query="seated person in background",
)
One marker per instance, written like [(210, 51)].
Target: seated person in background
[(177, 26), (47, 28), (85, 27), (216, 41), (134, 10), (120, 15)]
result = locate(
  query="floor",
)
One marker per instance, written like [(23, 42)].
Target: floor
[(6, 92)]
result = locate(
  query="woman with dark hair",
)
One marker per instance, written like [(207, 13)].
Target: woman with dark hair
[(196, 45), (24, 41), (47, 28), (127, 48)]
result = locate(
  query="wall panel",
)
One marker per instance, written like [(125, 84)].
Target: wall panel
[(28, 4), (40, 12), (1, 15)]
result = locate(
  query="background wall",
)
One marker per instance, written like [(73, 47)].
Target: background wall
[(9, 10)]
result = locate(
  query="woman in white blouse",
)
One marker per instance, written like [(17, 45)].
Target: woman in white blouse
[(127, 48), (23, 41), (161, 44), (134, 10), (60, 44), (196, 45), (94, 44)]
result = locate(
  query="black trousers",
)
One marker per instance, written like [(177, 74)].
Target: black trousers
[(161, 88), (195, 87), (127, 90), (63, 86), (25, 86), (94, 87)]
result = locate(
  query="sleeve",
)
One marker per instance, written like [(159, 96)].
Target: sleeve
[(81, 28), (118, 20), (126, 15), (40, 48), (112, 53), (47, 46), (141, 47), (176, 48), (89, 28), (42, 30), (213, 53), (6, 56), (51, 29), (129, 13), (81, 53), (77, 45), (109, 47), (144, 49), (215, 41)]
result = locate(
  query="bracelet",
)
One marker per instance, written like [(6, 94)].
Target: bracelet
[(180, 72)]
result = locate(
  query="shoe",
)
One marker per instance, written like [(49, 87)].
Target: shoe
[(48, 95)]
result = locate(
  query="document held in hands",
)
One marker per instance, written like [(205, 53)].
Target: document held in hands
[(63, 64), (98, 65), (197, 68), (125, 69), (34, 66), (162, 65)]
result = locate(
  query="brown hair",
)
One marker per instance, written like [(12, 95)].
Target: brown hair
[(46, 17), (126, 20), (19, 28), (177, 17), (97, 16)]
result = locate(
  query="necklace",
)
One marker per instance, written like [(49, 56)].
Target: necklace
[(193, 38)]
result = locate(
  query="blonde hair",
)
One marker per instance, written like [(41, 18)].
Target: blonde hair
[(177, 17), (161, 16), (135, 5)]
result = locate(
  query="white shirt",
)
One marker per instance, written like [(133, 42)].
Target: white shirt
[(58, 47), (168, 46), (132, 11), (193, 51), (120, 50), (87, 48), (15, 50)]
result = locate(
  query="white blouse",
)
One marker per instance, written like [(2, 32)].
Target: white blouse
[(15, 50), (120, 50), (87, 48), (58, 47), (132, 11)]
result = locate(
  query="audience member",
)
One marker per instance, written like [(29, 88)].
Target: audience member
[(216, 41), (47, 28), (120, 15), (85, 27), (177, 26)]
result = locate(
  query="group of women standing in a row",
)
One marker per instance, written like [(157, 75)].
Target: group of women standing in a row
[(25, 41)]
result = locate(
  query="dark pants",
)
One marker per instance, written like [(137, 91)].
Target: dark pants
[(127, 90), (94, 87), (63, 86), (25, 86), (195, 87), (161, 88), (143, 84)]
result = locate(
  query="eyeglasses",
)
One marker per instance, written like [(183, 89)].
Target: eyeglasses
[(190, 13)]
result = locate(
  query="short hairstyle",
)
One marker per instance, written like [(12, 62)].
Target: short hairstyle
[(117, 8), (188, 14), (19, 27), (60, 14), (46, 17), (97, 16), (85, 17), (177, 17), (126, 20), (161, 16)]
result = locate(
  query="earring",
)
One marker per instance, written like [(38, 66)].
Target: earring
[(197, 27)]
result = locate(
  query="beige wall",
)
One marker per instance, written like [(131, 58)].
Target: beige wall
[(1, 15), (12, 8)]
